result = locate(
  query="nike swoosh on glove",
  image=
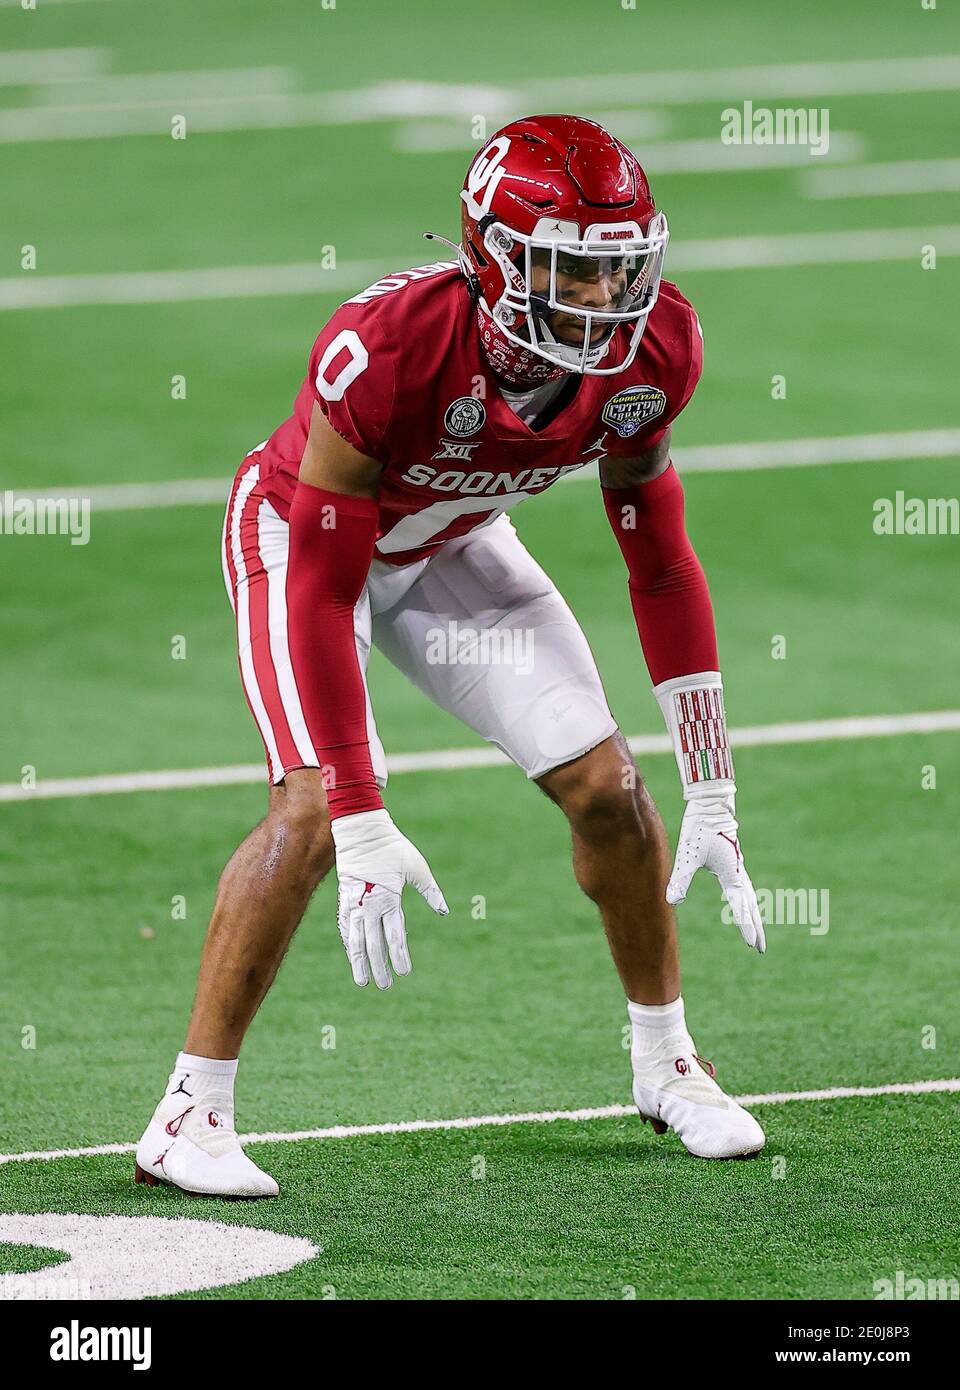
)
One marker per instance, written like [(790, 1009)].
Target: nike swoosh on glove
[(708, 840), (374, 861)]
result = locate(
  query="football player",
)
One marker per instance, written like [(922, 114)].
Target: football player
[(435, 402)]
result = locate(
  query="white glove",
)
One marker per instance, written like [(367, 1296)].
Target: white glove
[(708, 840), (374, 861), (692, 708)]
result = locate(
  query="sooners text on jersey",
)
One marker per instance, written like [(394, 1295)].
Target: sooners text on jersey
[(400, 373)]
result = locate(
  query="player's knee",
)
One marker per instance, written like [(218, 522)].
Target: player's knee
[(600, 804)]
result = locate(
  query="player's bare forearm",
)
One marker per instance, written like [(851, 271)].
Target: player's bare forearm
[(617, 473)]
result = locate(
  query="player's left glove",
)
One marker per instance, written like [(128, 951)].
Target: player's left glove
[(692, 708), (708, 840)]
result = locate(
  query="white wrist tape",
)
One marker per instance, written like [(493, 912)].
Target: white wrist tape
[(692, 708)]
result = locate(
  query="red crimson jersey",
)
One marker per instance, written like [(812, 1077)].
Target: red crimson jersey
[(400, 373)]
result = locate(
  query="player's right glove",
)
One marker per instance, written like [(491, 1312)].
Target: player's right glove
[(374, 861)]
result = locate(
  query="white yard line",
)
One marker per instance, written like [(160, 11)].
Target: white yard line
[(112, 120), (451, 135), (461, 759), (706, 156), (401, 99), (704, 458), (529, 1117), (30, 291), (44, 4), (31, 67), (134, 497), (27, 291), (776, 81), (884, 180), (828, 449), (404, 100), (385, 101), (795, 453), (813, 248), (136, 89)]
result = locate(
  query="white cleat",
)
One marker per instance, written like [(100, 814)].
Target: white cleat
[(196, 1148), (674, 1089)]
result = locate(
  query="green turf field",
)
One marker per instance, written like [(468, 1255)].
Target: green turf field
[(518, 1012)]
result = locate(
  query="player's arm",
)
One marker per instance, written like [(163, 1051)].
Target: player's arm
[(330, 462), (671, 601), (333, 530), (674, 616), (621, 473)]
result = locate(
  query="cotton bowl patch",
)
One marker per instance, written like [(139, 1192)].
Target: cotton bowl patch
[(629, 410)]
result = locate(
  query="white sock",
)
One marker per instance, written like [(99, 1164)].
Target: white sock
[(654, 1022), (193, 1076)]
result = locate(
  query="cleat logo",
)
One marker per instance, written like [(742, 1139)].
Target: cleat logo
[(181, 1089), (173, 1126), (214, 1119), (682, 1065)]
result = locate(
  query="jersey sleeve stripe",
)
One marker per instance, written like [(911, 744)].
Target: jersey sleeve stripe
[(242, 583)]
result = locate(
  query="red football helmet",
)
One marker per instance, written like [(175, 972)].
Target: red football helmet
[(562, 240)]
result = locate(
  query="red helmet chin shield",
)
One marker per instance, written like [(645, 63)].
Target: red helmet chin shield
[(563, 240)]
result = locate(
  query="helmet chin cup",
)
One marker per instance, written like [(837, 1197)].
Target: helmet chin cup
[(568, 354)]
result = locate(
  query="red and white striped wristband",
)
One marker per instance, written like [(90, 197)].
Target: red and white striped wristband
[(692, 708)]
